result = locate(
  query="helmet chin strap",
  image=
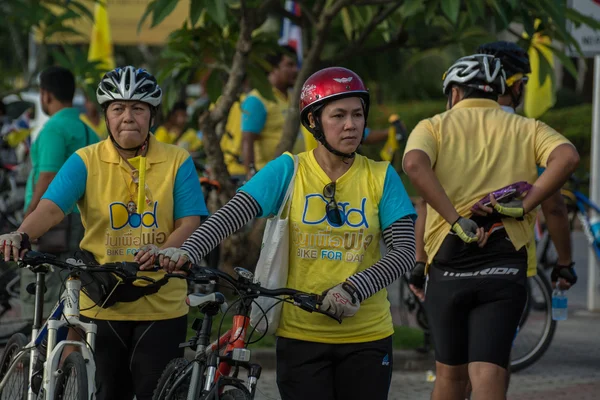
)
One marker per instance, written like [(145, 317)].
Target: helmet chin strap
[(136, 149), (320, 137)]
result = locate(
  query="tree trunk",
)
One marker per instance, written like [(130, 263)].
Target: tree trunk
[(243, 247)]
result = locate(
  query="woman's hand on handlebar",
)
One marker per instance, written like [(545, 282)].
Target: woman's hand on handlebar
[(146, 256), (173, 259), (15, 244)]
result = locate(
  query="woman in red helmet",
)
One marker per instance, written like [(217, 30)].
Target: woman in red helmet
[(342, 204)]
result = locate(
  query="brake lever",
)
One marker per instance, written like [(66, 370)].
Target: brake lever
[(312, 303)]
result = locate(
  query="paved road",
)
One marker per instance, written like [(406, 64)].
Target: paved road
[(569, 370)]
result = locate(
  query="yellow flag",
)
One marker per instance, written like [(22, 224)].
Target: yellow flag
[(101, 48), (539, 98)]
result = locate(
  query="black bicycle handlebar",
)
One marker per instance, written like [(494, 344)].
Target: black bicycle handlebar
[(307, 301), (129, 270), (124, 269)]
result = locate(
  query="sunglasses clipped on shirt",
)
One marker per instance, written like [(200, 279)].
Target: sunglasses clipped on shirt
[(331, 208)]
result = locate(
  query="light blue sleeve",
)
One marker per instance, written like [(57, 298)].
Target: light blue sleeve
[(395, 202), (254, 115), (68, 185), (187, 194), (269, 185), (367, 133), (540, 170)]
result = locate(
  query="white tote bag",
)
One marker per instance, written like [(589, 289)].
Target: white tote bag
[(272, 267)]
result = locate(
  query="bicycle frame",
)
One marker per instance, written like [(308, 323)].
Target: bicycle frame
[(65, 313), (238, 332), (584, 218)]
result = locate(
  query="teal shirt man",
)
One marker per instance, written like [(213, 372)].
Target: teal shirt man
[(62, 135)]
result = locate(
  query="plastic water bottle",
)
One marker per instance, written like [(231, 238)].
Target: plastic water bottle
[(559, 305)]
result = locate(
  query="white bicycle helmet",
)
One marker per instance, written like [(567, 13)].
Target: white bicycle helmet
[(479, 71), (129, 83)]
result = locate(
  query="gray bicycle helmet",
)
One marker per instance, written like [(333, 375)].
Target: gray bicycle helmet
[(479, 71), (129, 83)]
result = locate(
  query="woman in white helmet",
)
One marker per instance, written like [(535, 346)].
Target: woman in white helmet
[(133, 192)]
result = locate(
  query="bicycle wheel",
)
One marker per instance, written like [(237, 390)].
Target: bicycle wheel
[(16, 387), (12, 318), (235, 394), (167, 387), (536, 329), (72, 384)]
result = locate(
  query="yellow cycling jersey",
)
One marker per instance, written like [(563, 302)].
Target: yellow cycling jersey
[(113, 234), (477, 135), (315, 245), (99, 129), (270, 135), (231, 141), (188, 140)]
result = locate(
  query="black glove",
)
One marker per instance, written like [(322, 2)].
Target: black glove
[(566, 272), (417, 276)]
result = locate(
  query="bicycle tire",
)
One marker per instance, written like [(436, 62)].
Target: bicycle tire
[(74, 365), (235, 394), (14, 345), (9, 303), (165, 389), (545, 339)]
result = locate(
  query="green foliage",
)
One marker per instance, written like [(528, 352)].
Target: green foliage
[(205, 46), (87, 73), (22, 17), (575, 123)]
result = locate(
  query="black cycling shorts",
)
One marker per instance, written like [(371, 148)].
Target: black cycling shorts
[(323, 371), (474, 311), (131, 355)]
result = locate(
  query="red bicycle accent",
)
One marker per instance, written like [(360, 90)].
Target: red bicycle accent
[(235, 339)]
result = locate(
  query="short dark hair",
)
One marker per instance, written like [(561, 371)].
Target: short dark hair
[(473, 93), (60, 82), (178, 106), (275, 58)]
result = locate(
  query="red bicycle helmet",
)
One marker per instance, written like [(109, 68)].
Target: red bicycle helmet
[(327, 85)]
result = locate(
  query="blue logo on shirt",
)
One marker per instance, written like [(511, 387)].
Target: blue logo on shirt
[(314, 212)]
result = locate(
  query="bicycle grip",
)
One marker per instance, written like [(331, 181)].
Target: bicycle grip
[(187, 267)]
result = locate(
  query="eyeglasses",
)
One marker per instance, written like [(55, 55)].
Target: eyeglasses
[(331, 208)]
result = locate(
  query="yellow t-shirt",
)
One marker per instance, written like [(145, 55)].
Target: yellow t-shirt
[(476, 148), (270, 135), (231, 141), (112, 235), (99, 129), (321, 254), (189, 140)]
